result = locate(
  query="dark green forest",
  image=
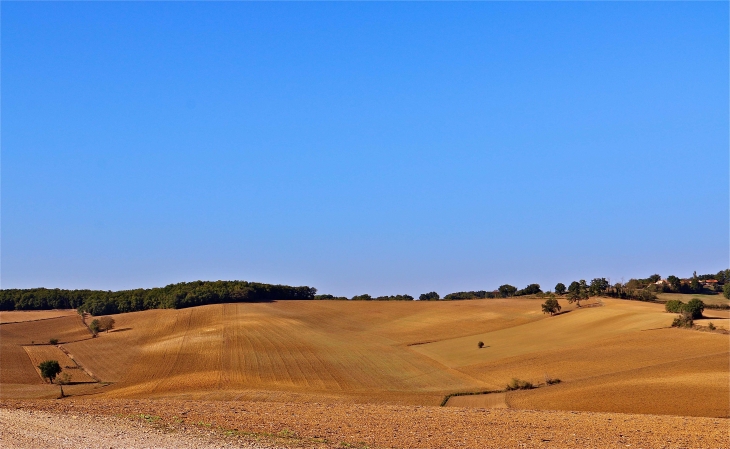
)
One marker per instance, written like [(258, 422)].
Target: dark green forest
[(173, 296)]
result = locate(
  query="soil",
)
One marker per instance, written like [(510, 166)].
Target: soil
[(76, 423)]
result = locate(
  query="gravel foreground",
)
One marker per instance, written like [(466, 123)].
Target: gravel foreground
[(103, 423)]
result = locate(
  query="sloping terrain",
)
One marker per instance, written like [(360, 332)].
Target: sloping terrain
[(400, 352)]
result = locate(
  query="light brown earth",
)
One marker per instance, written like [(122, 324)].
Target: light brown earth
[(619, 356), (18, 316), (144, 423)]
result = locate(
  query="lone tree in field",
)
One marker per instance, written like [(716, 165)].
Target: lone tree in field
[(480, 344), (49, 369), (106, 323), (551, 306), (560, 288), (94, 327)]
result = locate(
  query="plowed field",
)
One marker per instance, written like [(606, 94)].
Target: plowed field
[(616, 356)]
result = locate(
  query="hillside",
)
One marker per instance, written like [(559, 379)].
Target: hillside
[(611, 356)]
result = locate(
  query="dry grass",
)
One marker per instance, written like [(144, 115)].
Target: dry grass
[(19, 316), (685, 298)]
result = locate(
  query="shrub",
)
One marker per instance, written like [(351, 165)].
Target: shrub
[(364, 297), (551, 381), (683, 320), (673, 306), (726, 290), (480, 344), (53, 341), (517, 384), (711, 327), (694, 308)]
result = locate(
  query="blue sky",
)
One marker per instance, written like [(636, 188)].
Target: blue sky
[(380, 148)]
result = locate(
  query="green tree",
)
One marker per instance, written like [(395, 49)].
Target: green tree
[(694, 308), (674, 282), (726, 290), (430, 296), (551, 306), (49, 369), (95, 327), (560, 288), (654, 278), (507, 290), (598, 286), (577, 292), (364, 297), (674, 306), (695, 286)]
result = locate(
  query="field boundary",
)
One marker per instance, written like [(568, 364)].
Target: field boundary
[(36, 320), (88, 373), (468, 393)]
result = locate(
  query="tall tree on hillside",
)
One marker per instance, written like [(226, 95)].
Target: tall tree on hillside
[(560, 288), (577, 292)]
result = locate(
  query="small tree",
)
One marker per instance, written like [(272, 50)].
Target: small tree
[(726, 290), (53, 341), (49, 369), (560, 288), (106, 323), (551, 306), (94, 327), (480, 344)]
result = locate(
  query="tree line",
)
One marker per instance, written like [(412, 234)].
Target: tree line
[(173, 296)]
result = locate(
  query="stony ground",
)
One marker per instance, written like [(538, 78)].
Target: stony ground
[(198, 424)]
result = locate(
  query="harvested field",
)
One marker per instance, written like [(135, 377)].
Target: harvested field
[(39, 353), (274, 424), (19, 316), (402, 353), (17, 367)]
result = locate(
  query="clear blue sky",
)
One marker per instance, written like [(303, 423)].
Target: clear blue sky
[(362, 147)]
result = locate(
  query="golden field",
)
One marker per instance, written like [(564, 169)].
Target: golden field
[(614, 356)]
